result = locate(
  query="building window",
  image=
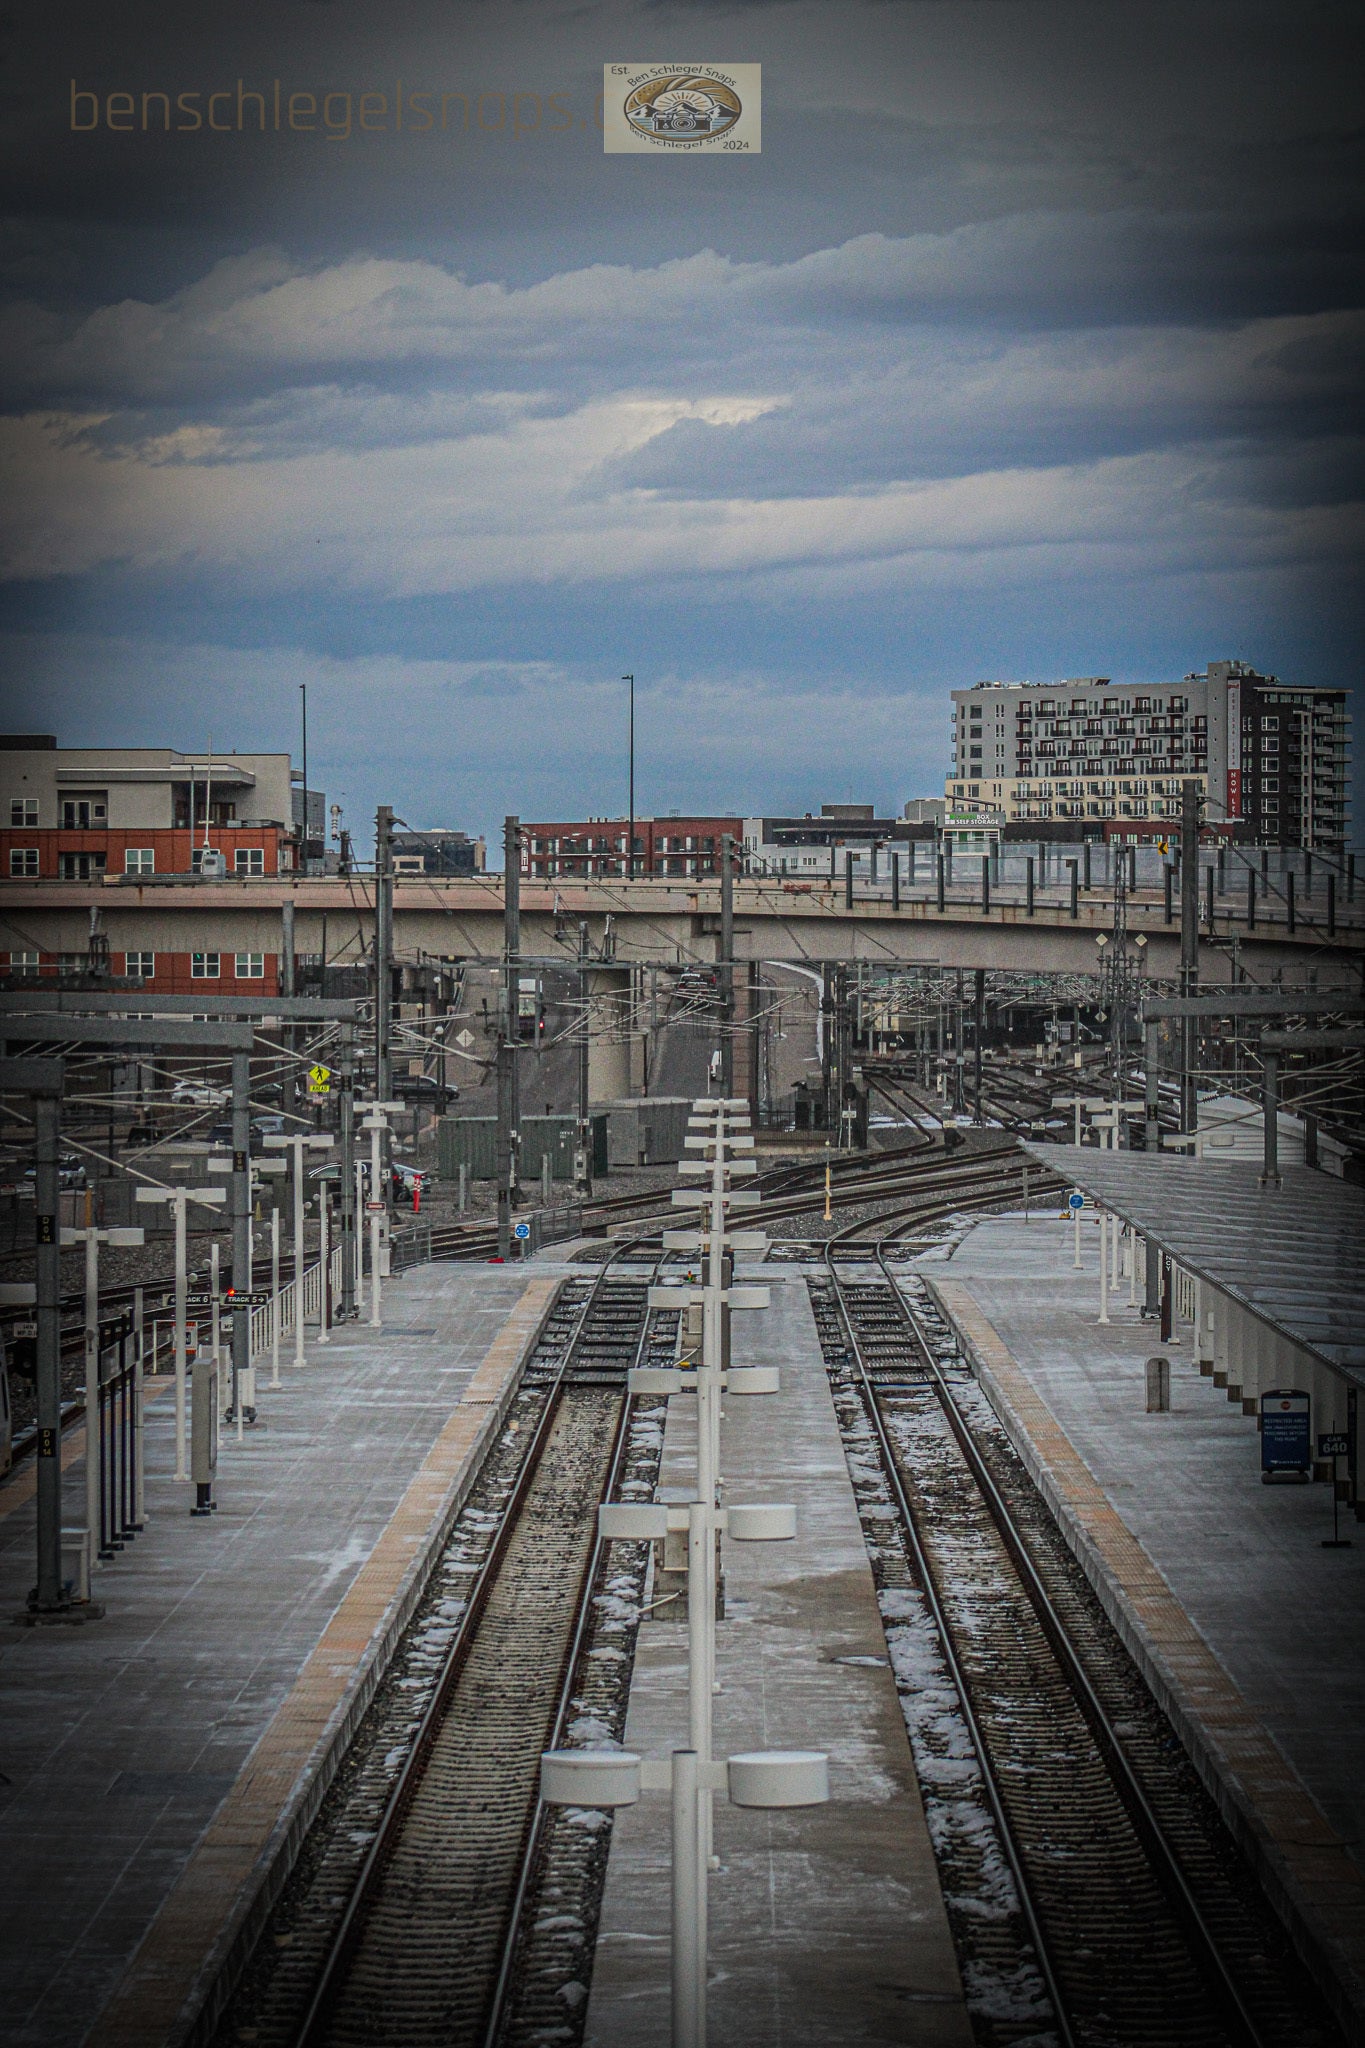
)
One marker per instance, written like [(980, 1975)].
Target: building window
[(80, 867), (1269, 782), (23, 810), (139, 860), (24, 963), (204, 966), (23, 860), (85, 813), (142, 964), (249, 966)]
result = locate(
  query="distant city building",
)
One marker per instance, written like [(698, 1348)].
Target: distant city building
[(308, 815), (440, 851), (673, 846), (1270, 757), (815, 844)]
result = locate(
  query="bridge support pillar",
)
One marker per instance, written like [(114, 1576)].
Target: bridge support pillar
[(611, 1036)]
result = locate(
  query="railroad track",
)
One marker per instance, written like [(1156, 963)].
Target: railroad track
[(1093, 1891), (525, 1640)]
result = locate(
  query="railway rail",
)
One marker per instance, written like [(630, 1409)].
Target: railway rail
[(1094, 1893), (524, 1641)]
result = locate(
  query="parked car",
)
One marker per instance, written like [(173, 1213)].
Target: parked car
[(221, 1132), (200, 1094), (411, 1182)]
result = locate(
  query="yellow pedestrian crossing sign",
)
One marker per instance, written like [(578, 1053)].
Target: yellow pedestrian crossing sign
[(319, 1080)]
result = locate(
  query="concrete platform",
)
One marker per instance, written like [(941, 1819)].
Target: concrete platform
[(1251, 1633), (827, 1926), (156, 1761)]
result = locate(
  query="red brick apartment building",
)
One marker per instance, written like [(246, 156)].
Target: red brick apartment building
[(144, 816), (596, 847)]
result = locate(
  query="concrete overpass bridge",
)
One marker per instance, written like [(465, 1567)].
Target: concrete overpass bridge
[(676, 923)]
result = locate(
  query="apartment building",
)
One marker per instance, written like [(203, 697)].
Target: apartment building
[(1270, 757), (597, 847), (74, 814), (144, 817)]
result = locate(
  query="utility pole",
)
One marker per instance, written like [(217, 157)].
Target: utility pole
[(1189, 951), (727, 966), (350, 1222), (508, 1105), (978, 1030), (383, 953), (583, 1164), (240, 1206)]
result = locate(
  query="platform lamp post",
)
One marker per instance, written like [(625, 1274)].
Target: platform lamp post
[(376, 1122), (179, 1200), (690, 1774), (92, 1239), (298, 1142)]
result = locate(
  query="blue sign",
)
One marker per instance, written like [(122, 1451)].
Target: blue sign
[(1075, 1200), (521, 1230), (1286, 1442)]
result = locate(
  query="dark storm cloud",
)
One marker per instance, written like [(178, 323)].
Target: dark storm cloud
[(1030, 340)]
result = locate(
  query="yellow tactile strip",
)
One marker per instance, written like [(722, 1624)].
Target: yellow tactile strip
[(173, 1987), (1319, 1890)]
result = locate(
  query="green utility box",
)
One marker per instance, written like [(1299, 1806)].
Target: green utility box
[(471, 1142)]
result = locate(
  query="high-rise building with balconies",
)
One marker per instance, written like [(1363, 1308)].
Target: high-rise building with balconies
[(1270, 757)]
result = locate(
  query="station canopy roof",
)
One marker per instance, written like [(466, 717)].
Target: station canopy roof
[(1294, 1255)]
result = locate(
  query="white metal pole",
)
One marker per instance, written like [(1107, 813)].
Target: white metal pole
[(296, 1146), (689, 1954), (275, 1296), (215, 1312), (325, 1255), (376, 1218), (1103, 1222), (1076, 1258), (359, 1237), (179, 1200), (92, 1389)]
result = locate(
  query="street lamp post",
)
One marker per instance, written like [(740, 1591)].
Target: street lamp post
[(630, 841)]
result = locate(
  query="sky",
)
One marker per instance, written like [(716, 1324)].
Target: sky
[(1028, 346)]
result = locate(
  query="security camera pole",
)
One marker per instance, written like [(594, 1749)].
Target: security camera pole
[(178, 1199), (298, 1143)]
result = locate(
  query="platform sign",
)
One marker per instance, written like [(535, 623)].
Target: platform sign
[(1075, 1201), (521, 1231), (256, 1297), (1334, 1444), (1286, 1435)]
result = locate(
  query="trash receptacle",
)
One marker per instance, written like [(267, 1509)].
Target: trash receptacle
[(1158, 1385)]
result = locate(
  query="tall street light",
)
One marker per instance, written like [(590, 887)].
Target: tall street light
[(630, 842)]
